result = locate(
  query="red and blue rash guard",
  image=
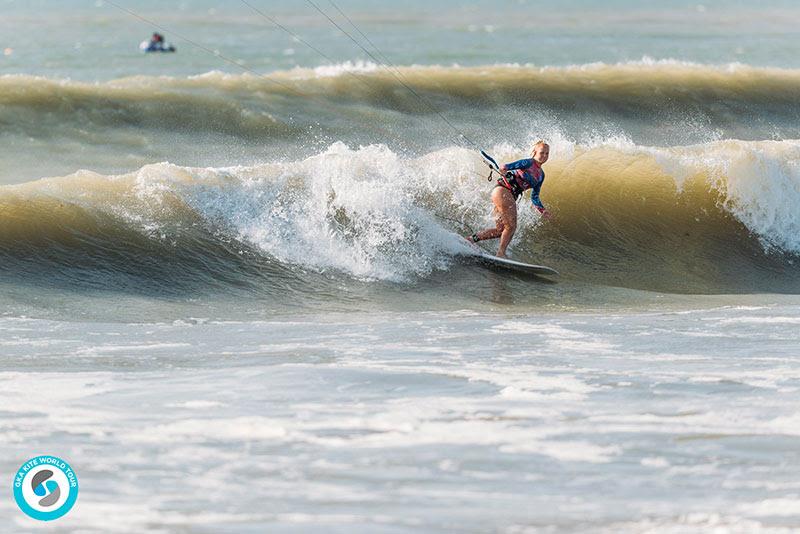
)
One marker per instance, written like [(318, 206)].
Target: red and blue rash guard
[(528, 174)]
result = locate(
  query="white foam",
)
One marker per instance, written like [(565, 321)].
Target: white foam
[(350, 210), (760, 320), (208, 429), (566, 451), (99, 350), (782, 507), (655, 462), (788, 424), (339, 69), (196, 404)]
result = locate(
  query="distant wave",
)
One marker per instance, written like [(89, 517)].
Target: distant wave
[(717, 217), (40, 107), (736, 97)]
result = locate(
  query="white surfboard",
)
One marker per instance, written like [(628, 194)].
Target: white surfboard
[(505, 263)]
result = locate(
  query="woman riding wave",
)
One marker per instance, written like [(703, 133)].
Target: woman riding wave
[(514, 179)]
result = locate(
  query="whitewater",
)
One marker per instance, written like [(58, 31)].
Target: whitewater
[(240, 300)]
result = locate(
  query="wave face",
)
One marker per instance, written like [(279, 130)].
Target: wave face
[(711, 218), (651, 102)]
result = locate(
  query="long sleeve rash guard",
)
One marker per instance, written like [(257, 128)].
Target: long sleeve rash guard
[(528, 175)]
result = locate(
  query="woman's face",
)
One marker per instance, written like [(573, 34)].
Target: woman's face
[(541, 153)]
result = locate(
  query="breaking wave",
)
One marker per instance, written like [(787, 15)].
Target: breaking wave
[(715, 217)]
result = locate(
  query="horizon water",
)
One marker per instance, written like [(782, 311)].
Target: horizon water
[(238, 299)]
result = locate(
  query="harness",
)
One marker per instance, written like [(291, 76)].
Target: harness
[(509, 182)]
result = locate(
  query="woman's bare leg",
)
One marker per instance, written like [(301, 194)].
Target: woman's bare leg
[(506, 210), (507, 207)]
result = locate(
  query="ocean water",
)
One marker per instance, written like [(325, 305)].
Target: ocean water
[(235, 297)]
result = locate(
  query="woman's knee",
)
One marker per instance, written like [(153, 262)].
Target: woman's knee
[(510, 221)]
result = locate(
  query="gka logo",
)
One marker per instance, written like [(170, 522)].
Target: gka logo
[(45, 487)]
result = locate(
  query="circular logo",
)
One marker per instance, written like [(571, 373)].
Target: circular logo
[(45, 487)]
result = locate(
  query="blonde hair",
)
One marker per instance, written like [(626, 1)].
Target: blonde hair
[(540, 142)]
